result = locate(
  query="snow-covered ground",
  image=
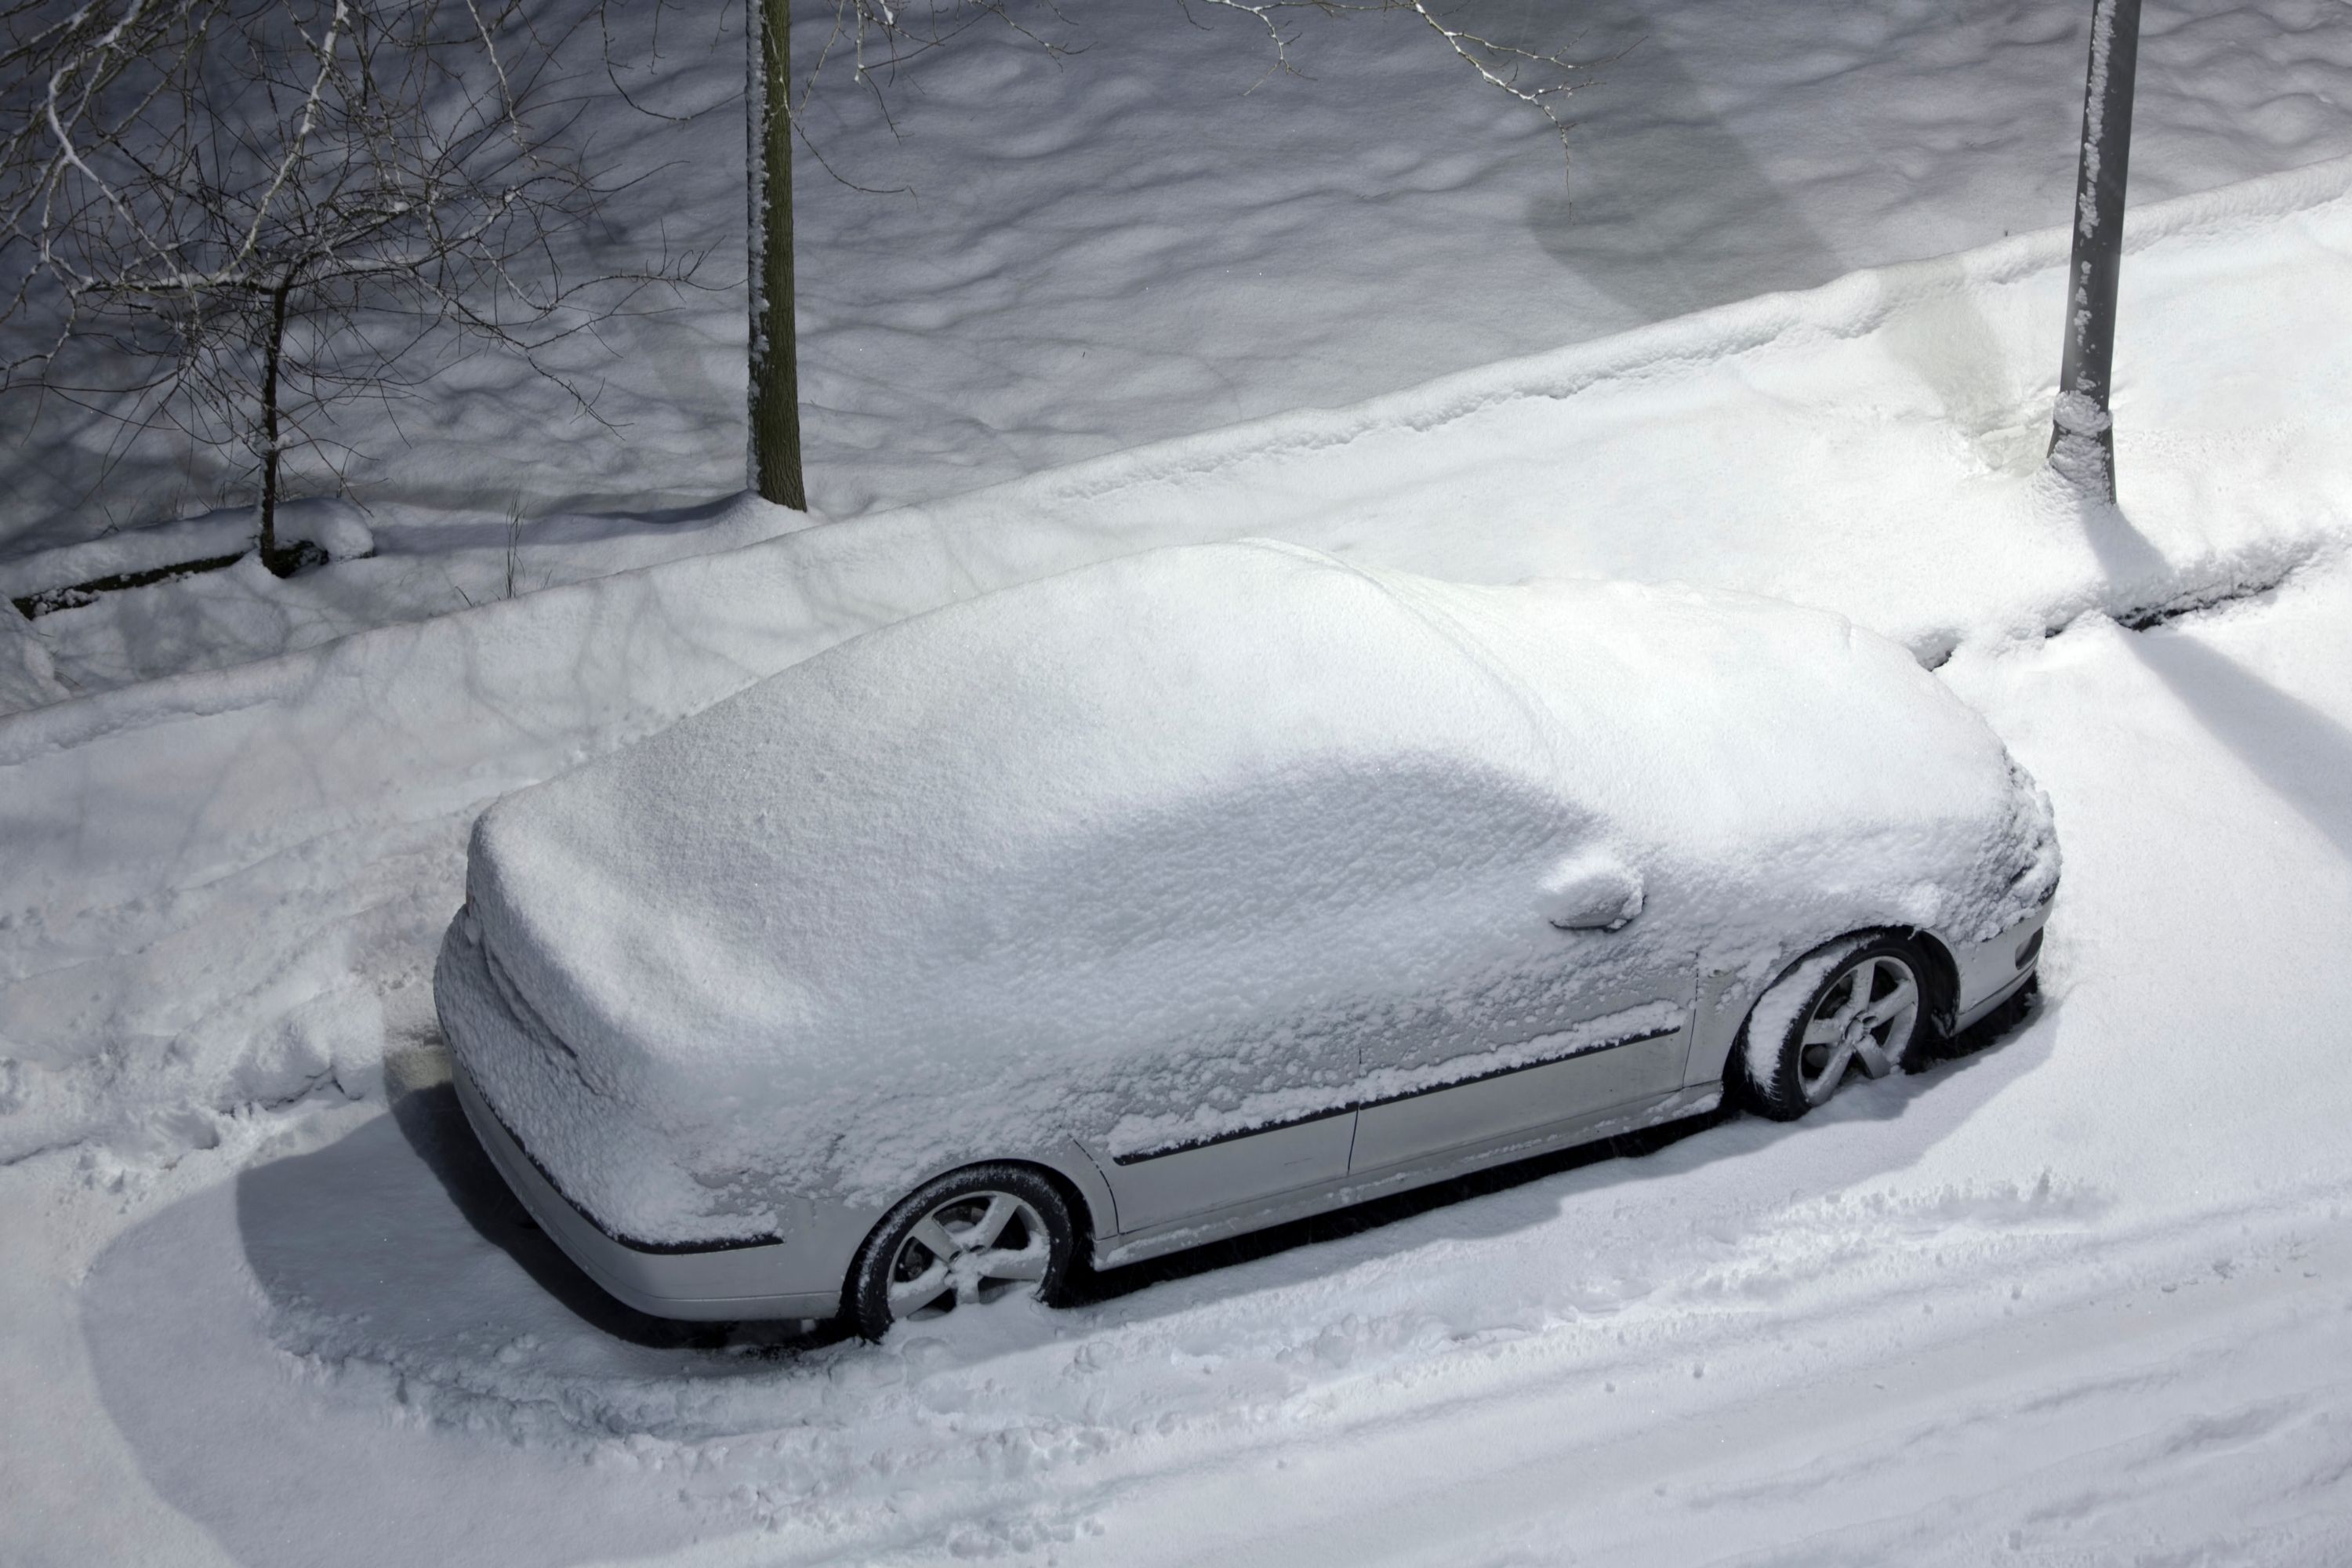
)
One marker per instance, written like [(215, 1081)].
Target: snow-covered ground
[(2082, 1296), (1153, 237), (2086, 1296)]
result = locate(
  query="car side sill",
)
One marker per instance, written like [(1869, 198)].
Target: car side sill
[(1163, 1150), (1359, 1186)]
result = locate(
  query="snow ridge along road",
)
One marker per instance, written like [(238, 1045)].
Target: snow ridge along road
[(224, 888)]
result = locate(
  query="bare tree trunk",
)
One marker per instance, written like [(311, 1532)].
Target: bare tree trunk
[(207, 204), (775, 401), (2081, 435), (281, 561)]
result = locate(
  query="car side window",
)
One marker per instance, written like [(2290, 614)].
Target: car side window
[(1293, 851)]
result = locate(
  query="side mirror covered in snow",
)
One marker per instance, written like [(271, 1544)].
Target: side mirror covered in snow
[(1591, 889)]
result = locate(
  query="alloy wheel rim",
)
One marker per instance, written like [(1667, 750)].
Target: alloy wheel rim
[(974, 1247), (1862, 1019)]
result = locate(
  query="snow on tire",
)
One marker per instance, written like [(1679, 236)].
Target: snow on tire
[(971, 1236), (1860, 1001)]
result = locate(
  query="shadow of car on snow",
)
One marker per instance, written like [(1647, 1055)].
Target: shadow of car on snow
[(280, 1204), (393, 1263)]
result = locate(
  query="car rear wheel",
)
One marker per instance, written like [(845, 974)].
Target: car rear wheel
[(1858, 1003), (969, 1237)]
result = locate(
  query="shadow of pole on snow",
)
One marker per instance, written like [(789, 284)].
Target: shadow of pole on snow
[(2301, 753)]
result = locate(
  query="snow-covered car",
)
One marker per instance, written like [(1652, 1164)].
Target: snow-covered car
[(1204, 889)]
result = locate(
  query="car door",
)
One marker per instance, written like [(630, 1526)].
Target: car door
[(1256, 1125), (1319, 956), (1238, 977), (1272, 934), (1574, 1013)]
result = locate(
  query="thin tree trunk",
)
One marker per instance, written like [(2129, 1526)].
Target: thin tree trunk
[(775, 402), (2081, 435), (280, 561)]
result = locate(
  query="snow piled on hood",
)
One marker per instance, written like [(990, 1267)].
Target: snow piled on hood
[(1000, 874)]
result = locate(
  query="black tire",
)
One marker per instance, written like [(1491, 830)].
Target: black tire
[(1039, 1234), (1795, 1075)]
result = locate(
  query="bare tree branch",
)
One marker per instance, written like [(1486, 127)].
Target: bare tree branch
[(879, 36), (254, 210)]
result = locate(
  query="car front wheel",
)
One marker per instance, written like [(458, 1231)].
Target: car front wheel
[(973, 1236), (1859, 1003)]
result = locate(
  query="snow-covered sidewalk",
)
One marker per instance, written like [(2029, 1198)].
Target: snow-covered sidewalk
[(1157, 239)]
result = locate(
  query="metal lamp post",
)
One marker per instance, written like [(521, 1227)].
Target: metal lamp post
[(2082, 436)]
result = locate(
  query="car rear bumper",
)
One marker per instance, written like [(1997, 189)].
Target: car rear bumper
[(729, 1283), (799, 1276)]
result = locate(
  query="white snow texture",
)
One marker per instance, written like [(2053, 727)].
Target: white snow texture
[(2084, 1296)]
